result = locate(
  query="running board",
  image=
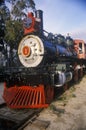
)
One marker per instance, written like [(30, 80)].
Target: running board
[(25, 97)]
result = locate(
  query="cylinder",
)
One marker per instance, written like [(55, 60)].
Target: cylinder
[(61, 78)]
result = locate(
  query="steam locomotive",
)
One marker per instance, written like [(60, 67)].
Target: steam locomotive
[(42, 62)]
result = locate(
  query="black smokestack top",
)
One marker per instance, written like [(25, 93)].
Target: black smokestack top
[(39, 15)]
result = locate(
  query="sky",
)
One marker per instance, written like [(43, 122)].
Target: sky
[(64, 16)]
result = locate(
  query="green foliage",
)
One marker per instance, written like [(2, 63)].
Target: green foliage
[(14, 26), (4, 11), (14, 31), (19, 8)]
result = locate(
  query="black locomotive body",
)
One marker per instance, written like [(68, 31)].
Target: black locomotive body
[(41, 63)]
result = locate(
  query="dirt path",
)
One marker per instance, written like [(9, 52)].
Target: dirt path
[(69, 112)]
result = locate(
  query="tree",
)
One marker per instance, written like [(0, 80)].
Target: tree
[(4, 11), (14, 25), (19, 8), (14, 32), (4, 15)]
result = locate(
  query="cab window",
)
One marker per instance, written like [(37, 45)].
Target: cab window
[(80, 48)]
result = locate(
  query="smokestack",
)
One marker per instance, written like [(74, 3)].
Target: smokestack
[(39, 15)]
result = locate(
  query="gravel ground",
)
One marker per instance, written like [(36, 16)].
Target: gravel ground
[(68, 112)]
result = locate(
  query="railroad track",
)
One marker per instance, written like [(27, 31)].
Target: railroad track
[(16, 119)]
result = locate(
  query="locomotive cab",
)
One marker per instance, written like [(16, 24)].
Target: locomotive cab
[(80, 48)]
